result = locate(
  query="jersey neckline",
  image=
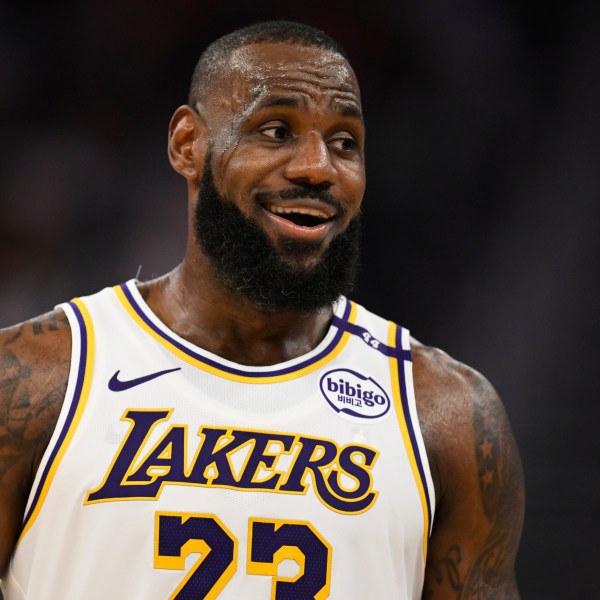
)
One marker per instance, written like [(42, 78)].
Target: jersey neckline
[(331, 345)]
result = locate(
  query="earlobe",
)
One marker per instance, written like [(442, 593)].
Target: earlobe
[(186, 142)]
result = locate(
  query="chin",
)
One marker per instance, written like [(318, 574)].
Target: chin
[(302, 261)]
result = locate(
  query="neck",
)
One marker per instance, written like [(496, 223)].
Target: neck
[(192, 301)]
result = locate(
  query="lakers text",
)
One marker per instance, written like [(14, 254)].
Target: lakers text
[(240, 459)]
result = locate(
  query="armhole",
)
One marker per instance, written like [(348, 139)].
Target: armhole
[(406, 409), (80, 374)]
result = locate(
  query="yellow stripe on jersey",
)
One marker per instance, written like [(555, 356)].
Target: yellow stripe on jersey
[(233, 376), (402, 417), (72, 426)]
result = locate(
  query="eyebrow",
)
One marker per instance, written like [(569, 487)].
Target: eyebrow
[(349, 110), (345, 109), (287, 101)]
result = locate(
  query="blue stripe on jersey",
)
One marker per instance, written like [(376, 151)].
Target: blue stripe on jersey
[(72, 410), (411, 431), (371, 341)]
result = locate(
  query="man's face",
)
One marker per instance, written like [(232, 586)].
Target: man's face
[(285, 123)]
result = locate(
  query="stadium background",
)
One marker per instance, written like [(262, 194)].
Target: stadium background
[(482, 205)]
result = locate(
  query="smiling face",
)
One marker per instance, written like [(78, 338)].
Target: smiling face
[(272, 148), (285, 131)]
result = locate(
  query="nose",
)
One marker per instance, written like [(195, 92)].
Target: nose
[(310, 162)]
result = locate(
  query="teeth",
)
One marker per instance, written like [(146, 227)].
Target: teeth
[(312, 212)]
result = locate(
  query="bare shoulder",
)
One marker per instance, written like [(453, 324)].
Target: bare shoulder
[(34, 369), (478, 479), (457, 406)]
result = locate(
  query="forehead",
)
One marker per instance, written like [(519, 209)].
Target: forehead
[(256, 71)]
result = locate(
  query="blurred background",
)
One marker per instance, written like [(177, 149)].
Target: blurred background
[(482, 205)]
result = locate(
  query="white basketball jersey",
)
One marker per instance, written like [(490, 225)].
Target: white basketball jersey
[(176, 474)]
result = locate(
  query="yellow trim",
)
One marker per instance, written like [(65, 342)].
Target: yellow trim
[(85, 390), (410, 451), (231, 376)]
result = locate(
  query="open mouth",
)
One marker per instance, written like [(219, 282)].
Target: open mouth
[(301, 216)]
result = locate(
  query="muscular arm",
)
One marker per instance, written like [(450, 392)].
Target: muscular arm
[(34, 365), (478, 479)]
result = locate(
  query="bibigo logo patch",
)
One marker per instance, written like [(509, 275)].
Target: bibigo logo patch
[(354, 395)]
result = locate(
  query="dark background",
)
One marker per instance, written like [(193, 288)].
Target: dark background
[(482, 205)]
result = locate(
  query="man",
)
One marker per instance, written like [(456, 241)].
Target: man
[(238, 428)]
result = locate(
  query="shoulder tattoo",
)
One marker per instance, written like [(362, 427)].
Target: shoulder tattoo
[(30, 394)]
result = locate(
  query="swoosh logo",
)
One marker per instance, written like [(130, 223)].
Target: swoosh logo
[(118, 385)]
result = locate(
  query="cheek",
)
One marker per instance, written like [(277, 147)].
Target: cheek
[(354, 180), (247, 168)]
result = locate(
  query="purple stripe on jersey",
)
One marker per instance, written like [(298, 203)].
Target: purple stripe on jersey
[(409, 423), (71, 413), (371, 341), (234, 371)]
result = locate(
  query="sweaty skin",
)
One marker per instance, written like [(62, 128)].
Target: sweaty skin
[(312, 97), (279, 115)]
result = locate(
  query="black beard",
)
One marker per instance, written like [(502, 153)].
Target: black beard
[(249, 265)]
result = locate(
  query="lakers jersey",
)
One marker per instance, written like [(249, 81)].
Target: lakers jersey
[(176, 474)]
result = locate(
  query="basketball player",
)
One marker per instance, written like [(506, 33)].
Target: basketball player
[(239, 428)]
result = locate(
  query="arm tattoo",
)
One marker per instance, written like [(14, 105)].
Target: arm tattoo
[(13, 388), (27, 416), (49, 323), (501, 497), (446, 568)]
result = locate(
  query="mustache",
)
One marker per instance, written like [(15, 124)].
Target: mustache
[(303, 191)]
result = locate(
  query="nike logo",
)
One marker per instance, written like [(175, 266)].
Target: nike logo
[(118, 385)]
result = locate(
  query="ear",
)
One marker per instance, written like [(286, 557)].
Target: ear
[(187, 143)]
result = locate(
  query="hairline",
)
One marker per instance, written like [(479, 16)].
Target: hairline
[(219, 52)]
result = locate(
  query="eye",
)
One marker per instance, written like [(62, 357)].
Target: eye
[(344, 142), (276, 132)]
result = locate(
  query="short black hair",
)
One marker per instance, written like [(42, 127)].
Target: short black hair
[(264, 32)]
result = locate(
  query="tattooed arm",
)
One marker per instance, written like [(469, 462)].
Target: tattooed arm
[(34, 366), (478, 482)]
